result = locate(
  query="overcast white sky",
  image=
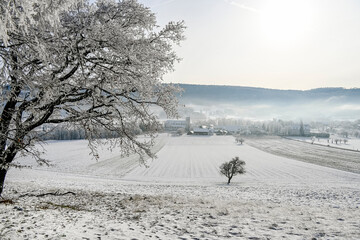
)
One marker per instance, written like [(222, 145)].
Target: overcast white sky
[(284, 44)]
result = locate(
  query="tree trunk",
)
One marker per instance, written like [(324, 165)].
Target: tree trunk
[(229, 179), (2, 179)]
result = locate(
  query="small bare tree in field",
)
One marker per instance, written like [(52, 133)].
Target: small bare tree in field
[(239, 139), (232, 168)]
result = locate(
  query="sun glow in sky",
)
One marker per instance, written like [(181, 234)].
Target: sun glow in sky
[(284, 44), (285, 22)]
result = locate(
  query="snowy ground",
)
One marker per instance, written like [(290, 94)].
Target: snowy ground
[(181, 196), (352, 142), (312, 153)]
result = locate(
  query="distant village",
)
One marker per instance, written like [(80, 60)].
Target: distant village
[(220, 126), (182, 126)]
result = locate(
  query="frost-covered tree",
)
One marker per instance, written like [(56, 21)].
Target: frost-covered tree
[(232, 168), (21, 15), (357, 134), (302, 131), (97, 66)]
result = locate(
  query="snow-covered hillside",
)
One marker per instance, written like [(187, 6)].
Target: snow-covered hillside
[(180, 195)]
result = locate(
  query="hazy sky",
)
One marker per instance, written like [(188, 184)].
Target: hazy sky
[(284, 44)]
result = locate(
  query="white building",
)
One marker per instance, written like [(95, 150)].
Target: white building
[(174, 124)]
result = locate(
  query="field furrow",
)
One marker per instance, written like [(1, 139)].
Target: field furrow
[(322, 155)]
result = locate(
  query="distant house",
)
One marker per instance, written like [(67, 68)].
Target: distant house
[(232, 129), (173, 125), (221, 132), (202, 130)]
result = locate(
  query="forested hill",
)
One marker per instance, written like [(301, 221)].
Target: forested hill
[(199, 94)]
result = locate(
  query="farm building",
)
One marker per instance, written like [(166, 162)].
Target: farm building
[(202, 130)]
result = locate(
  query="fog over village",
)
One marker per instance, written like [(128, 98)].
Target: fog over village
[(180, 119)]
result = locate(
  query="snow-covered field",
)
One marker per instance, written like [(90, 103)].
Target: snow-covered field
[(312, 153), (180, 195), (351, 143)]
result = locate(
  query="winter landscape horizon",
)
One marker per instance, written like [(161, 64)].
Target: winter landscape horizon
[(179, 119)]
